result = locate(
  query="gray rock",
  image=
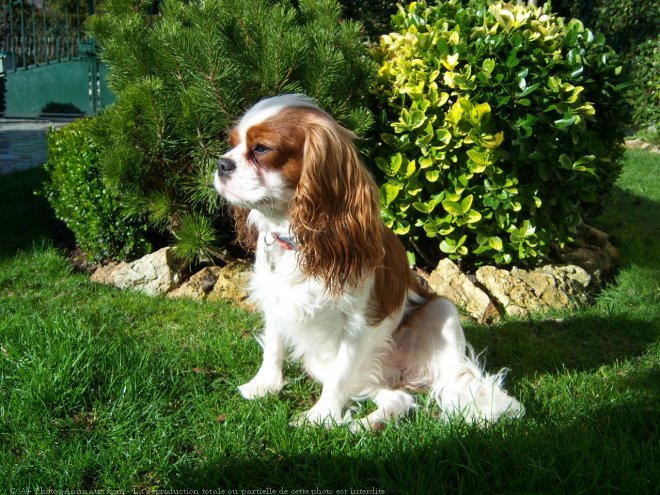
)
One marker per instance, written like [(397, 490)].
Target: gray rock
[(593, 251), (520, 292), (154, 274), (449, 281), (199, 285)]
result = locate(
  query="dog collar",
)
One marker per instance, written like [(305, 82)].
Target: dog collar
[(285, 242)]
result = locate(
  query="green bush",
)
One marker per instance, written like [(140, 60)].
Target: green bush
[(81, 199), (625, 23), (507, 124), (644, 92), (632, 27), (373, 14), (184, 76)]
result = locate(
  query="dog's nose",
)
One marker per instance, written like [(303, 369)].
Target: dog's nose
[(226, 166)]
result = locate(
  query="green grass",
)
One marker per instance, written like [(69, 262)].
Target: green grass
[(103, 389)]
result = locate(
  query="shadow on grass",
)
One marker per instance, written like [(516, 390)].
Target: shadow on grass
[(27, 219), (593, 433), (632, 222), (580, 342), (605, 448), (588, 433)]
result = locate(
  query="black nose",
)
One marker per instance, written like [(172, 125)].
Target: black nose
[(226, 165)]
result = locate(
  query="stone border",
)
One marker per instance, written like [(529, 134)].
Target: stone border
[(485, 296), (639, 144), (514, 292), (161, 274), (492, 292)]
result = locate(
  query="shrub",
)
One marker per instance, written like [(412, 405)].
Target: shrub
[(78, 194), (632, 27), (373, 14), (625, 23), (184, 76), (644, 92), (507, 124)]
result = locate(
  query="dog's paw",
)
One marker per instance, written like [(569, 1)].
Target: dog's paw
[(318, 416), (257, 388), (366, 425)]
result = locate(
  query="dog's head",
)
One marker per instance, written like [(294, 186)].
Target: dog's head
[(291, 161)]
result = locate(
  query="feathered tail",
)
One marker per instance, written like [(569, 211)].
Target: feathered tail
[(449, 366), (474, 394)]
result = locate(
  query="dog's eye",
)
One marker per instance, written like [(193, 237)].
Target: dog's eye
[(260, 148)]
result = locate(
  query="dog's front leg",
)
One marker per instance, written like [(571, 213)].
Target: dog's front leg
[(269, 378), (336, 391)]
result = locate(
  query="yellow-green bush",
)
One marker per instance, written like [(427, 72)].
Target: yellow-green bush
[(506, 124)]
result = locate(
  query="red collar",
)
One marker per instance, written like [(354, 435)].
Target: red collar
[(285, 242)]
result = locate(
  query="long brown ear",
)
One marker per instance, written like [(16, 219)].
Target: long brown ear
[(246, 234), (335, 216)]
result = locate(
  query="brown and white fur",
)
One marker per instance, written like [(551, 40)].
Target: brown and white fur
[(333, 282)]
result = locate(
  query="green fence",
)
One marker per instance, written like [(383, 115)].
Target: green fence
[(47, 64)]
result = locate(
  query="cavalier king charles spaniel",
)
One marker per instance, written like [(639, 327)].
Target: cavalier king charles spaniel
[(333, 282)]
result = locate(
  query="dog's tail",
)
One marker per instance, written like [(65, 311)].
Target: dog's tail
[(457, 379)]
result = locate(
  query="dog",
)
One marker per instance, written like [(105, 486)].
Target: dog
[(334, 284)]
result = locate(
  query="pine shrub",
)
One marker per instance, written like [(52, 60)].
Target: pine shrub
[(183, 76), (506, 125), (81, 199)]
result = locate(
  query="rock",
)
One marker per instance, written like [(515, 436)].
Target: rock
[(505, 289), (199, 285), (105, 273), (593, 251), (573, 280), (232, 285), (550, 287), (154, 274), (638, 143), (161, 273), (449, 281)]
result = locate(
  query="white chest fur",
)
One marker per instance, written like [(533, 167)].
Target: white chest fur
[(311, 321)]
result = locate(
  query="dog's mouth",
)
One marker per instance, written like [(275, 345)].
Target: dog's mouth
[(223, 188), (235, 195), (254, 193)]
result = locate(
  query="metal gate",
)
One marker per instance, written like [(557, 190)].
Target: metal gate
[(48, 67)]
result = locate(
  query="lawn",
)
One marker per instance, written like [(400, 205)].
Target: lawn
[(103, 389)]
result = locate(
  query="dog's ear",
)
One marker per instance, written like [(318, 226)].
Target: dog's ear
[(335, 215), (246, 233)]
